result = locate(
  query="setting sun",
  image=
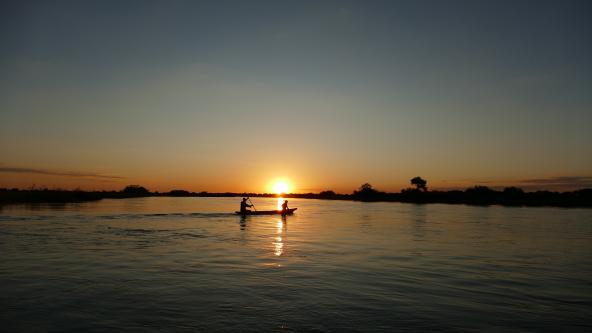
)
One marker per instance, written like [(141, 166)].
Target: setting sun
[(280, 187)]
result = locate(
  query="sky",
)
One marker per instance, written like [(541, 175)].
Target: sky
[(234, 95)]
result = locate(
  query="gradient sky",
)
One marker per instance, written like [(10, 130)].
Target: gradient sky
[(231, 95)]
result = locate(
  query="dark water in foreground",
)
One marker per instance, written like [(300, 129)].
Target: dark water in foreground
[(180, 264)]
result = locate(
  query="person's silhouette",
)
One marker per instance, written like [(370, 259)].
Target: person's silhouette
[(285, 207), (244, 205)]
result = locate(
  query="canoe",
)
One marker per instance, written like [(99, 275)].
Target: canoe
[(267, 212)]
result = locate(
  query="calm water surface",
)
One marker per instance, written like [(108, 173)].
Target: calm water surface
[(156, 264)]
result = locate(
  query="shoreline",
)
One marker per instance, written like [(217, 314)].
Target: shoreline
[(477, 196)]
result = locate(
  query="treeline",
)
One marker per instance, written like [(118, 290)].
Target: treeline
[(45, 195), (477, 195)]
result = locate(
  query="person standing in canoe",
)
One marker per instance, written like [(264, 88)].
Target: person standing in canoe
[(285, 208), (244, 206)]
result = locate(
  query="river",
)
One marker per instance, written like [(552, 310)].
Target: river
[(189, 264)]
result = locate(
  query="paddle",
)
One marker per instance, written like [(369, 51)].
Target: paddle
[(252, 204)]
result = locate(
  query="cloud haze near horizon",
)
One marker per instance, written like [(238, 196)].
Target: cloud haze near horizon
[(76, 174)]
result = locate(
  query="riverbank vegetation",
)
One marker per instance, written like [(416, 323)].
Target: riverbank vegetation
[(419, 193)]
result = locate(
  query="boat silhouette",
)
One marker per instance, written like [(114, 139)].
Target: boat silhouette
[(266, 212)]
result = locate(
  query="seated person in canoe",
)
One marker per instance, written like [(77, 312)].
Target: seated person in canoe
[(285, 208), (244, 205)]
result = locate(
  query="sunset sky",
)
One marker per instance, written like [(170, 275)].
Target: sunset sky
[(234, 95)]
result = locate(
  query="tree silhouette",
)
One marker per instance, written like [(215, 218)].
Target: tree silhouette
[(179, 193), (513, 191), (327, 194), (365, 188), (367, 193), (136, 190), (420, 183)]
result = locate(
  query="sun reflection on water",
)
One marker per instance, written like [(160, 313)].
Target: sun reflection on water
[(279, 244), (279, 203)]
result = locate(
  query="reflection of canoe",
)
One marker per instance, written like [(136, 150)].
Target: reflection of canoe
[(267, 212)]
